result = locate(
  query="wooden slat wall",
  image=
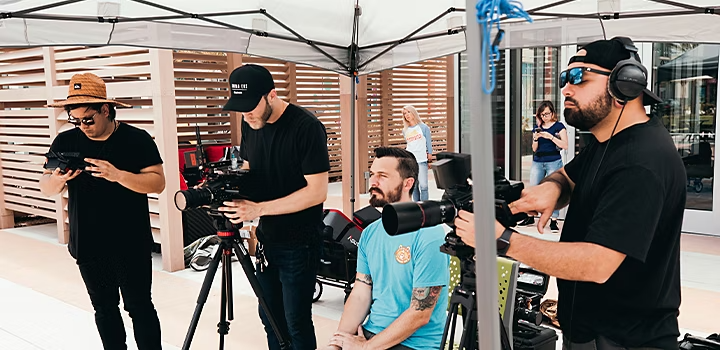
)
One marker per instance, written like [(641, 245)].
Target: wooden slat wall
[(423, 85), (24, 132)]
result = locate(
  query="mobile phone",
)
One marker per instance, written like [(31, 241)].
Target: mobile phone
[(538, 130)]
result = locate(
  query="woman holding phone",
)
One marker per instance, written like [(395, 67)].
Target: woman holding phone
[(549, 138)]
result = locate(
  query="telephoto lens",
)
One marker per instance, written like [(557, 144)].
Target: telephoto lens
[(399, 218)]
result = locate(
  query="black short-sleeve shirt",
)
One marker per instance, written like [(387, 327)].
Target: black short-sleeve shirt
[(105, 217), (634, 205), (280, 155)]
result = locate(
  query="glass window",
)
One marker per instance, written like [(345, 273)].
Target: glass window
[(498, 109), (685, 77), (540, 71)]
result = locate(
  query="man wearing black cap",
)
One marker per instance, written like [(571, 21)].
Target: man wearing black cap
[(618, 259), (285, 146)]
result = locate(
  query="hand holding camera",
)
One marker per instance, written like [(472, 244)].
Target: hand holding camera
[(240, 210)]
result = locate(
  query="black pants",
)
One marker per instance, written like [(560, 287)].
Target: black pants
[(369, 335), (288, 284), (601, 343), (105, 279)]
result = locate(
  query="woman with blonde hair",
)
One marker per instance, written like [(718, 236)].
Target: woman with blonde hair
[(419, 143)]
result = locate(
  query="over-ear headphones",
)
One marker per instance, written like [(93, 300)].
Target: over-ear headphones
[(629, 77)]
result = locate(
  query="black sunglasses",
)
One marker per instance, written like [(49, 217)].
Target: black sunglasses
[(85, 120), (574, 76)]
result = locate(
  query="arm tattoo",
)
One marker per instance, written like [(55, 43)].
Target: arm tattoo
[(364, 279), (425, 298)]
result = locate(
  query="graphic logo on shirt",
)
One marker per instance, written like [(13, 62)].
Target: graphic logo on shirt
[(402, 254)]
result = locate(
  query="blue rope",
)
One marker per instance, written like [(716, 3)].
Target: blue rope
[(488, 14)]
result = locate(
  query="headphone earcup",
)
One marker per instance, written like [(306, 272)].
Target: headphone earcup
[(627, 81)]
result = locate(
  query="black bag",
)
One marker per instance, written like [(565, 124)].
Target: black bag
[(691, 342)]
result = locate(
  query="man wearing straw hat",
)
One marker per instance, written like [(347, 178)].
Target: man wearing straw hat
[(110, 232)]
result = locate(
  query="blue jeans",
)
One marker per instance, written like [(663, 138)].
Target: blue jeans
[(288, 284), (420, 193), (541, 170)]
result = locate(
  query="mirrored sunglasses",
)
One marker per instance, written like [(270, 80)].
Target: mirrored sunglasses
[(574, 76)]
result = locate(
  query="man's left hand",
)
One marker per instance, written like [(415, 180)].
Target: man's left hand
[(348, 341), (240, 210), (103, 169)]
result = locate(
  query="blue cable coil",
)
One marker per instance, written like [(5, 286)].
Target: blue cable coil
[(489, 13)]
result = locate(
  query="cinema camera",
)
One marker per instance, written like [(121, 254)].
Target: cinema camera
[(222, 183), (65, 161), (453, 174)]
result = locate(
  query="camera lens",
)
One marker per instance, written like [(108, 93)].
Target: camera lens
[(399, 218), (192, 198)]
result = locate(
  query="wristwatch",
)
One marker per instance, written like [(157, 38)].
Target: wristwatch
[(503, 243)]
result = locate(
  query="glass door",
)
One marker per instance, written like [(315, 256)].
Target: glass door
[(685, 76)]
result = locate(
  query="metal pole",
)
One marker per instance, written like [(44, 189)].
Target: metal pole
[(352, 144), (481, 147)]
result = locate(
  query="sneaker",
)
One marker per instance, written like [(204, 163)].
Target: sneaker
[(553, 226), (527, 222)]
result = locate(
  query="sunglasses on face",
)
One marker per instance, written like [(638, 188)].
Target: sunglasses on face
[(85, 120), (574, 76)]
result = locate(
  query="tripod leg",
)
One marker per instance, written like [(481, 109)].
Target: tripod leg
[(450, 325), (247, 266), (202, 298), (228, 286), (224, 325)]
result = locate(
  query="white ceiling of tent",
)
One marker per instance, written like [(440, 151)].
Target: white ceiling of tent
[(198, 25), (566, 22)]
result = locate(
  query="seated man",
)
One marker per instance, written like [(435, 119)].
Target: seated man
[(401, 280)]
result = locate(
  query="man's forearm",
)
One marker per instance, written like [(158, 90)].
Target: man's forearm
[(143, 182), (299, 200), (49, 186), (356, 309), (402, 328), (574, 261), (566, 188)]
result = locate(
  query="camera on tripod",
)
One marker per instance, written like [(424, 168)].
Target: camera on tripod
[(453, 174), (223, 182)]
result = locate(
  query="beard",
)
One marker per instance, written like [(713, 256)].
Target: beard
[(265, 116), (391, 197), (585, 118)]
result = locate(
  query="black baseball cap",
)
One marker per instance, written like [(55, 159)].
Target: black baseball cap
[(607, 54), (248, 84)]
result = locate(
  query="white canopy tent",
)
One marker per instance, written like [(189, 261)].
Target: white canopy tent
[(557, 23), (351, 37)]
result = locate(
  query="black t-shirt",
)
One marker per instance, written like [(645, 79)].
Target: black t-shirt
[(105, 217), (635, 206), (280, 155)]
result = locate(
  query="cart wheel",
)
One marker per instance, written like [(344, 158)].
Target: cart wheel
[(698, 186), (318, 290)]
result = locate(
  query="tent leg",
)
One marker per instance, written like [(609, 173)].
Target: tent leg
[(353, 94), (483, 190)]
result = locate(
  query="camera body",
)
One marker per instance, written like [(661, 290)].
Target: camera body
[(452, 173), (65, 161), (222, 183)]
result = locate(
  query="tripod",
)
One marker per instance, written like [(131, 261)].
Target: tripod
[(229, 238)]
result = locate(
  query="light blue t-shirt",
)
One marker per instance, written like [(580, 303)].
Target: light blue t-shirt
[(397, 264)]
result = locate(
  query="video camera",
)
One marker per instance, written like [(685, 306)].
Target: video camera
[(223, 182), (452, 173), (65, 161)]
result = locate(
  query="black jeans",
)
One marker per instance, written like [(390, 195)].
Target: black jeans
[(288, 284), (104, 279), (601, 343)]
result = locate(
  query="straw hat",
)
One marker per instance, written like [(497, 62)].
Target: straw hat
[(86, 88)]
